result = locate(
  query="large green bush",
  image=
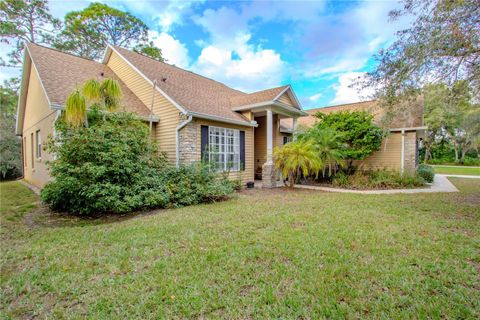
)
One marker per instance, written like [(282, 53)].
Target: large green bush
[(360, 136), (112, 166), (426, 172)]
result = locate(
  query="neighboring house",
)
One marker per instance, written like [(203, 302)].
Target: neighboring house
[(194, 117), (399, 150)]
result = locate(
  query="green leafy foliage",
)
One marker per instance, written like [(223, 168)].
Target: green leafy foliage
[(87, 32), (426, 172), (150, 50), (441, 43), (112, 166), (357, 134), (377, 179), (296, 158), (329, 146), (26, 20), (10, 144)]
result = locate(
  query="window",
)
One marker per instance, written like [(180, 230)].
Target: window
[(224, 148), (38, 137), (32, 149), (287, 139)]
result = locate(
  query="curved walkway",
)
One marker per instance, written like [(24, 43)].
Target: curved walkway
[(440, 184)]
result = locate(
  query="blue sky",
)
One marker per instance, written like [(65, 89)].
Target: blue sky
[(317, 47)]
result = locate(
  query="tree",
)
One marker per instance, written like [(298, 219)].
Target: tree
[(26, 21), (356, 131), (296, 158), (329, 146), (104, 96), (441, 45), (87, 32), (10, 145), (150, 50), (450, 115)]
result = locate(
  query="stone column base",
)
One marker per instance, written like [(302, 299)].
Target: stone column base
[(269, 176)]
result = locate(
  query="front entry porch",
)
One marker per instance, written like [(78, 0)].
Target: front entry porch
[(268, 135)]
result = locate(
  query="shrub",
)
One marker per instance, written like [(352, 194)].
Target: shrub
[(113, 167), (357, 131), (426, 172), (296, 158), (378, 179)]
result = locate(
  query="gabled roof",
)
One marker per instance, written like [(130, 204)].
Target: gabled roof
[(407, 116), (256, 97), (194, 93), (61, 73)]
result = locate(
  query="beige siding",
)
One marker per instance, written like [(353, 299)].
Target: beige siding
[(389, 155), (168, 113), (284, 98), (38, 116), (260, 147), (247, 174)]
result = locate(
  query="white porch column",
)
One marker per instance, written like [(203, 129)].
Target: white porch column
[(402, 154), (269, 136), (294, 125)]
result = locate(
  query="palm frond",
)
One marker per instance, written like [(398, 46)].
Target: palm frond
[(75, 109), (111, 94), (91, 91)]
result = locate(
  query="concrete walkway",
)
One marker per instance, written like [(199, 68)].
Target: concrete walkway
[(440, 184)]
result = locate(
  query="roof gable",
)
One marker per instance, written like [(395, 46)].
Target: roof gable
[(60, 73)]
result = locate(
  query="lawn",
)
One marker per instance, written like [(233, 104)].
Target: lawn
[(472, 171), (264, 254)]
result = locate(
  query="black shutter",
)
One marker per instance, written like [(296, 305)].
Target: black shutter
[(204, 143), (242, 150)]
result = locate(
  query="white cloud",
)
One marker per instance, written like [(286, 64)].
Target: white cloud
[(345, 93), (173, 50), (173, 13), (241, 66), (315, 97)]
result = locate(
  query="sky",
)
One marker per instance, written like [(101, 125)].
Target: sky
[(318, 47)]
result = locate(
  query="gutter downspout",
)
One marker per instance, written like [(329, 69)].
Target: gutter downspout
[(402, 159), (177, 138)]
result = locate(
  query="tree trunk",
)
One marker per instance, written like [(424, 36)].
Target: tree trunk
[(464, 152), (427, 155), (455, 146)]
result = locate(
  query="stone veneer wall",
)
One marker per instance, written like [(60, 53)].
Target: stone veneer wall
[(410, 146), (188, 143)]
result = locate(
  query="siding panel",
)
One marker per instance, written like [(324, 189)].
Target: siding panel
[(168, 113)]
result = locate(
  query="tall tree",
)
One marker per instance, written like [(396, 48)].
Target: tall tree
[(10, 145), (87, 32), (441, 45), (450, 114), (25, 20)]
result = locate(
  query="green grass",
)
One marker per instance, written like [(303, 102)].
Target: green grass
[(264, 254), (457, 170)]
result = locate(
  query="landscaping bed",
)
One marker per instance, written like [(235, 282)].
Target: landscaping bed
[(368, 180)]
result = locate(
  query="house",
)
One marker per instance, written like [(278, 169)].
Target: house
[(399, 150), (193, 117)]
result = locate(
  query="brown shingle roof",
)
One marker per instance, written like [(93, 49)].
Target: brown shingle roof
[(194, 92), (403, 117), (61, 73), (256, 97)]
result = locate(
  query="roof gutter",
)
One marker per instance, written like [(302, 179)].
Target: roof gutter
[(423, 128), (222, 119), (264, 104), (152, 118)]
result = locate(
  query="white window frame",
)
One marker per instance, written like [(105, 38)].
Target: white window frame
[(38, 140), (223, 144)]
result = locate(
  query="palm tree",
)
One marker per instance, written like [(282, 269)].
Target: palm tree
[(329, 148), (297, 157), (104, 96)]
